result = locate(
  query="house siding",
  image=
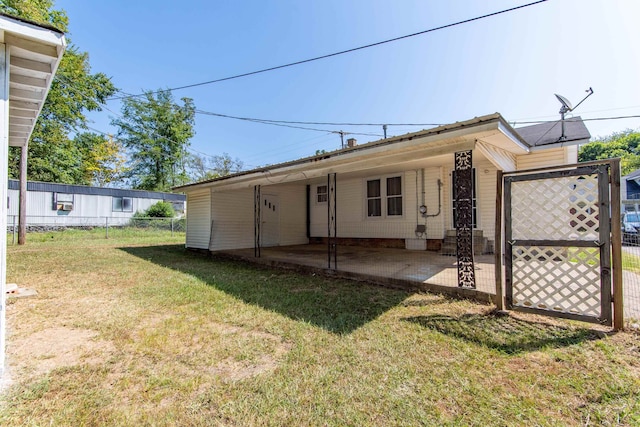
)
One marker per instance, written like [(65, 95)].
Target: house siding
[(198, 220), (548, 157), (351, 208), (233, 216)]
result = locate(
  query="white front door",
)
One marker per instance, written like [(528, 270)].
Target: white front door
[(270, 221)]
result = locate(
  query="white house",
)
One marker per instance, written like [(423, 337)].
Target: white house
[(29, 57), (80, 205), (394, 192)]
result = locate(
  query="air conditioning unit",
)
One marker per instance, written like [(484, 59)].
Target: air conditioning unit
[(67, 206)]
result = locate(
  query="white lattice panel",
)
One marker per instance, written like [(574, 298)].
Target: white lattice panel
[(564, 280), (564, 208)]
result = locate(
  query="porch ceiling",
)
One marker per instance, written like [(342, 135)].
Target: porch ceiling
[(33, 54)]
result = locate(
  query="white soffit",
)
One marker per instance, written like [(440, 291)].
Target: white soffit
[(34, 53)]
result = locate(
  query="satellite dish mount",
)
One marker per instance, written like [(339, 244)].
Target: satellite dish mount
[(566, 108)]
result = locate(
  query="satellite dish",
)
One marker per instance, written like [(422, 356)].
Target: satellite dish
[(566, 108), (566, 105)]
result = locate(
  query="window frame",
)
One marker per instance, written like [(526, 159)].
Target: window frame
[(122, 207), (384, 198), (325, 194)]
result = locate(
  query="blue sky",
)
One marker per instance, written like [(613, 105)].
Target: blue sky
[(511, 64)]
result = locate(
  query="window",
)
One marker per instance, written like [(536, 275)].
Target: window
[(122, 204), (374, 198), (474, 202), (388, 189), (62, 202), (321, 194), (394, 196)]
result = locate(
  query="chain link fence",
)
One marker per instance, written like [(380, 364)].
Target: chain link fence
[(631, 261), (105, 227)]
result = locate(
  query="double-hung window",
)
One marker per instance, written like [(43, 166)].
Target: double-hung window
[(384, 197)]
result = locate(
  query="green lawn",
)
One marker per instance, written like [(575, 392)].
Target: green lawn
[(142, 332)]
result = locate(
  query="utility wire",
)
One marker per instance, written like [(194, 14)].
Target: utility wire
[(317, 58), (284, 123)]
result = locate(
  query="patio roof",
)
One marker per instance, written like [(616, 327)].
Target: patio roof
[(34, 52), (491, 130)]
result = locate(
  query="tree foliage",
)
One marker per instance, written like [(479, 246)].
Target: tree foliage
[(202, 168), (53, 157), (156, 131), (625, 144), (104, 161)]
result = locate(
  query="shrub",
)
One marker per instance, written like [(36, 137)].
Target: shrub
[(160, 210)]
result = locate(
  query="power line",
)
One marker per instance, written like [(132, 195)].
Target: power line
[(317, 58), (269, 121), (283, 123)]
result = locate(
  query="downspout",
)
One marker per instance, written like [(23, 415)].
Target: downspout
[(308, 211)]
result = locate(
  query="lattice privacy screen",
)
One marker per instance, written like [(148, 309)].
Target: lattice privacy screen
[(555, 254), (564, 208)]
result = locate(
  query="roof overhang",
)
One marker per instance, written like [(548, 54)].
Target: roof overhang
[(33, 53), (460, 136)]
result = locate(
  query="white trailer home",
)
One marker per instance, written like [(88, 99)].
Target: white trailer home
[(50, 204), (397, 192)]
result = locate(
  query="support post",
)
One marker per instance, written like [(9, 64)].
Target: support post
[(22, 209), (4, 155), (257, 200), (14, 231), (106, 227), (497, 244), (616, 247), (463, 187), (332, 227)]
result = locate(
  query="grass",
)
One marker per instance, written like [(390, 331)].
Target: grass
[(142, 332)]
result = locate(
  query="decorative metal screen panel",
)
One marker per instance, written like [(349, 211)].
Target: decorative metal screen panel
[(558, 243), (463, 184)]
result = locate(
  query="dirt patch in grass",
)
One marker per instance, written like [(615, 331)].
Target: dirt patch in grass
[(56, 347)]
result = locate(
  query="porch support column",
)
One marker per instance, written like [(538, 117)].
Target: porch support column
[(257, 199), (4, 158), (332, 222), (22, 209), (463, 188)]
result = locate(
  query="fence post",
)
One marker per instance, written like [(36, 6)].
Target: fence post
[(13, 242), (171, 227), (106, 226)]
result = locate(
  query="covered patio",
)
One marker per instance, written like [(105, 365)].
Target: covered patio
[(420, 270)]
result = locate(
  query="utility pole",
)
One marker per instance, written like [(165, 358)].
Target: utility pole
[(341, 139), (384, 129)]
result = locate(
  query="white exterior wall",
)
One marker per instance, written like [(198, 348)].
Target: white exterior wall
[(87, 209), (548, 157), (198, 219), (352, 204), (232, 213)]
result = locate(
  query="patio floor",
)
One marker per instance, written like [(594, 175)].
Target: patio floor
[(425, 270)]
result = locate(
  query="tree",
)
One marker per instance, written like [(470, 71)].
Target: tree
[(74, 91), (103, 159), (625, 144), (156, 132), (209, 167)]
